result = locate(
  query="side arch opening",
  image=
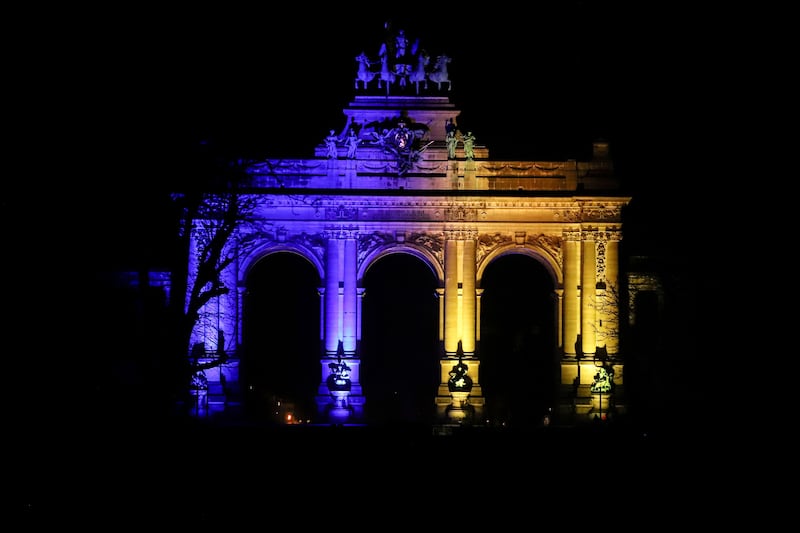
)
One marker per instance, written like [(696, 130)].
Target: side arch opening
[(518, 346), (281, 339)]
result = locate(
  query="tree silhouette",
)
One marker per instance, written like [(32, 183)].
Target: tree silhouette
[(213, 209)]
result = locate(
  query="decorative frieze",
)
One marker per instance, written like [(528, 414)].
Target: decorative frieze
[(595, 213), (460, 213), (432, 242), (367, 243), (460, 234), (286, 166), (311, 241), (517, 168), (488, 242), (341, 232), (550, 243), (600, 257), (340, 212)]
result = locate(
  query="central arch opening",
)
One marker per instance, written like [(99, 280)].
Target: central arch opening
[(399, 346)]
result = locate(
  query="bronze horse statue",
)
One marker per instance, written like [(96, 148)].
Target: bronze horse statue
[(364, 75)]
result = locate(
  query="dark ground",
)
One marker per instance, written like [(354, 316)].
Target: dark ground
[(198, 473)]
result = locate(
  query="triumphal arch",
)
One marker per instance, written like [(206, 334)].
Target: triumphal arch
[(400, 176)]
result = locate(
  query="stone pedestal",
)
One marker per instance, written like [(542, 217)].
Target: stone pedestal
[(602, 403), (340, 412), (459, 408)]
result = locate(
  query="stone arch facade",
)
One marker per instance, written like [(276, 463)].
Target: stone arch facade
[(455, 211), (458, 258)]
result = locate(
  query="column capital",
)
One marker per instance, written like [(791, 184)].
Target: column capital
[(340, 232), (461, 234)]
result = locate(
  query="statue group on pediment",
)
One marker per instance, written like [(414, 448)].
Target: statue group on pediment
[(453, 137), (351, 143), (402, 143), (400, 63)]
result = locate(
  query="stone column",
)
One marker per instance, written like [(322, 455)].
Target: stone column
[(350, 312), (332, 276), (559, 318), (440, 298), (321, 291), (478, 294), (588, 294), (359, 315), (450, 294), (468, 298), (572, 265), (342, 323), (612, 295), (460, 299), (448, 322), (241, 288), (460, 326)]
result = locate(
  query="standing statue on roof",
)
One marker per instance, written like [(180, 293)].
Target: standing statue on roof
[(450, 125), (452, 143), (352, 144), (331, 142), (469, 146)]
